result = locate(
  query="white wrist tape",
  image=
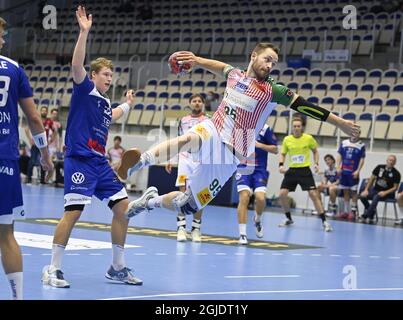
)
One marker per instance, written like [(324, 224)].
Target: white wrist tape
[(40, 140), (125, 107)]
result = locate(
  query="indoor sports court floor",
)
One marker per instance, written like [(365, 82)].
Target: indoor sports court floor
[(356, 261)]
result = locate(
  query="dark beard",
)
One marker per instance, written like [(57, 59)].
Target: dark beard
[(195, 112)]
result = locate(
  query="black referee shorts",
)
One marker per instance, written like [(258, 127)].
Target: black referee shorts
[(298, 176)]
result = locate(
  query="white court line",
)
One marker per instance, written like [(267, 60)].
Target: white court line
[(374, 257), (221, 254), (46, 254), (335, 255), (258, 253), (96, 254), (181, 254), (316, 255), (297, 254), (394, 257), (139, 254), (201, 254), (250, 292), (277, 254), (161, 254), (354, 256), (239, 253), (27, 254), (272, 276), (72, 254)]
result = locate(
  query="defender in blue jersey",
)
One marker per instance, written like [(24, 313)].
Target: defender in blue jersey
[(86, 169), (252, 178), (14, 90), (350, 160)]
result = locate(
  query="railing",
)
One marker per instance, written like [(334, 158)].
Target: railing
[(162, 64), (34, 44), (137, 57)]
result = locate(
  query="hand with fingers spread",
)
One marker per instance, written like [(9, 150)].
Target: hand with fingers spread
[(350, 128), (84, 21)]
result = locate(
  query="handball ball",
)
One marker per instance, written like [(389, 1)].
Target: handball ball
[(176, 67)]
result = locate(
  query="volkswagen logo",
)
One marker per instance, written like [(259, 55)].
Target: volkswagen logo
[(77, 178)]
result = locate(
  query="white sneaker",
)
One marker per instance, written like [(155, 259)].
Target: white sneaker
[(400, 221), (54, 277), (181, 235), (139, 205), (327, 226), (243, 239), (286, 223), (259, 227), (196, 235)]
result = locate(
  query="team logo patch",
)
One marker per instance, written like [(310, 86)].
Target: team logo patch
[(202, 131), (182, 178), (204, 196), (289, 93), (77, 178)]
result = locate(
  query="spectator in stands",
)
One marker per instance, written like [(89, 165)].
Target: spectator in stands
[(388, 6), (252, 176), (35, 154), (298, 146), (330, 182), (382, 184), (186, 167), (350, 160), (55, 145), (115, 153), (211, 101)]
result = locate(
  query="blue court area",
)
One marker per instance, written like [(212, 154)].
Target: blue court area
[(356, 261)]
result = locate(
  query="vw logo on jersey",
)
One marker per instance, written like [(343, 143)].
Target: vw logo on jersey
[(77, 178)]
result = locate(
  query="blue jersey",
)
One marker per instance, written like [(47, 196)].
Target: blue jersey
[(266, 136), (351, 154), (14, 85), (88, 122)]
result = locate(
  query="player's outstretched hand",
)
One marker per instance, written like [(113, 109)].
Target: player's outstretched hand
[(84, 21), (350, 128), (130, 97)]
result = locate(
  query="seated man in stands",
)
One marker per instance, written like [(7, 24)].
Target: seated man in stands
[(330, 183), (382, 184)]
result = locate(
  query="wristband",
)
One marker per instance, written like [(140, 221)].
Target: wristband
[(40, 140), (125, 107)]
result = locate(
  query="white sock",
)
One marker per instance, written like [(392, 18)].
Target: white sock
[(15, 280), (401, 212), (118, 257), (258, 217), (57, 255), (148, 158), (354, 205), (155, 202), (347, 206), (242, 229)]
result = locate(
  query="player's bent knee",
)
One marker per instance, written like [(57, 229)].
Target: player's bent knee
[(183, 202)]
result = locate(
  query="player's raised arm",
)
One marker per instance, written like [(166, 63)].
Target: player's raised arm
[(214, 66), (77, 62)]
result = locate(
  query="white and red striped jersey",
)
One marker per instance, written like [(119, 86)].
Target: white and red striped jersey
[(246, 105)]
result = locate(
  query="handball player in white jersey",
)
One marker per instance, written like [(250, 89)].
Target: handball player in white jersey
[(186, 167), (229, 137)]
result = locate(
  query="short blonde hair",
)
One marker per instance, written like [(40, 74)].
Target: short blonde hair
[(99, 63), (2, 23)]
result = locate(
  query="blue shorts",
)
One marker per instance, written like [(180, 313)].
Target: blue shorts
[(348, 182), (86, 177), (11, 205), (255, 182)]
